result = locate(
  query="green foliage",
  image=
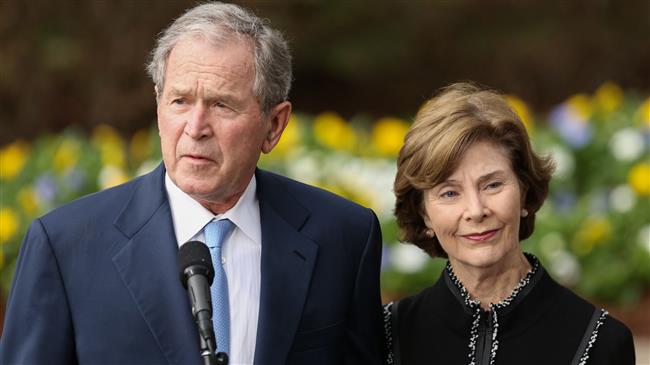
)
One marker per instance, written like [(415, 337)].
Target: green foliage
[(593, 233)]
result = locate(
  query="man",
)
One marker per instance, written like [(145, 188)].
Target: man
[(97, 280)]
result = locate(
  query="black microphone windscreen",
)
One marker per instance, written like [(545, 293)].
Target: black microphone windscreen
[(195, 254)]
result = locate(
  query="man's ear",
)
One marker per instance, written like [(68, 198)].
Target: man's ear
[(278, 118)]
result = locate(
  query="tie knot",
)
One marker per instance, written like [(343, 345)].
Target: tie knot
[(216, 231)]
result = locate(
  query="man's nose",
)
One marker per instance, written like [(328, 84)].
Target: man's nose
[(197, 125)]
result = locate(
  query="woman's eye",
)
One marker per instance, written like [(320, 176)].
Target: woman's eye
[(448, 194), (494, 185)]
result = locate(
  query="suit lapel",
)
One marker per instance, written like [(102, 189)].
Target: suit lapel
[(288, 259), (147, 264)]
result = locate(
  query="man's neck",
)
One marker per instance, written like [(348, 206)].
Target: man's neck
[(222, 206)]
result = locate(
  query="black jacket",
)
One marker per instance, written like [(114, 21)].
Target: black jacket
[(541, 323)]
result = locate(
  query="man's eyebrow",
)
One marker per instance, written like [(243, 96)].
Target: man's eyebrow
[(175, 90)]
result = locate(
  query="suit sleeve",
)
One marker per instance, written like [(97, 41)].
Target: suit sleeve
[(364, 329), (37, 328)]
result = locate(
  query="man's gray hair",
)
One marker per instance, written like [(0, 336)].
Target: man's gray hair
[(218, 22)]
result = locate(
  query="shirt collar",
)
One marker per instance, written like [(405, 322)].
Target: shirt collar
[(189, 216)]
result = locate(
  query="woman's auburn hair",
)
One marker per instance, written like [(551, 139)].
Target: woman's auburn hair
[(444, 128)]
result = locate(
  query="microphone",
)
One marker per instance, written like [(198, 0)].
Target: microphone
[(197, 273)]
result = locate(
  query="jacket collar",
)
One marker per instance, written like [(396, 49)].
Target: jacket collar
[(288, 259), (147, 263)]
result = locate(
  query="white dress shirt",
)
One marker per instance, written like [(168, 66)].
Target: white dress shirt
[(241, 257)]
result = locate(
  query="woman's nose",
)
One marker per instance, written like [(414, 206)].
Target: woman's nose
[(475, 209)]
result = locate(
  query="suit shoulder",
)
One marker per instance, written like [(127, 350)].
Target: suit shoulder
[(98, 203), (309, 195)]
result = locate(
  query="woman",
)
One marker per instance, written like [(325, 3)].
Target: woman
[(468, 186)]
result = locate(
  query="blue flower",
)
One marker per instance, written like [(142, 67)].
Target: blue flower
[(564, 200), (570, 125), (46, 189)]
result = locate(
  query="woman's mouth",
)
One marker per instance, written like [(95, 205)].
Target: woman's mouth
[(482, 236)]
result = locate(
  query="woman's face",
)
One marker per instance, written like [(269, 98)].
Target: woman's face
[(475, 213)]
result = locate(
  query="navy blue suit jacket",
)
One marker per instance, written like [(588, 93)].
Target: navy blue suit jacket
[(97, 281)]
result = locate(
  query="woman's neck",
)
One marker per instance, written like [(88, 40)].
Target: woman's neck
[(491, 285)]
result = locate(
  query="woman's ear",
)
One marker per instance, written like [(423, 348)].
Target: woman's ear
[(524, 192), (423, 211), (278, 118)]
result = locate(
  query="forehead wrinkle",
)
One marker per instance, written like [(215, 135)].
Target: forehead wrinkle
[(210, 80), (209, 87), (491, 175), (218, 63), (487, 176)]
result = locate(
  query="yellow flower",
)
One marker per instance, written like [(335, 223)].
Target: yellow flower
[(581, 105), (66, 155), (28, 201), (608, 97), (361, 197), (643, 114), (332, 131), (12, 159), (594, 230), (290, 137), (140, 147), (8, 224), (111, 176), (639, 178), (110, 145), (388, 135), (520, 107), (104, 133), (329, 187)]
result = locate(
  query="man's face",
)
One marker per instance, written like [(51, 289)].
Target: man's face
[(211, 127)]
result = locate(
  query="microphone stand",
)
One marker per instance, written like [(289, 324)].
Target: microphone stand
[(208, 346)]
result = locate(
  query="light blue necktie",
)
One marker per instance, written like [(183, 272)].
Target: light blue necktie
[(215, 233)]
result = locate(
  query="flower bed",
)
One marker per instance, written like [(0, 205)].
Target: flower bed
[(593, 233)]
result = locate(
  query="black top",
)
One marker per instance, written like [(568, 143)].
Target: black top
[(541, 322)]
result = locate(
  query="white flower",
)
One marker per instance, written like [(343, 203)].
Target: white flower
[(644, 237), (626, 144), (407, 258), (551, 243), (110, 176), (622, 198), (565, 163), (147, 167), (565, 267), (304, 167)]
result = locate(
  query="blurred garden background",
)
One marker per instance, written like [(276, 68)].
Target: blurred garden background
[(77, 115)]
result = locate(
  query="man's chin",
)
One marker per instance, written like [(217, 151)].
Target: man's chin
[(197, 189)]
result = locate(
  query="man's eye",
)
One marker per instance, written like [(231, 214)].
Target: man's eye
[(178, 101)]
